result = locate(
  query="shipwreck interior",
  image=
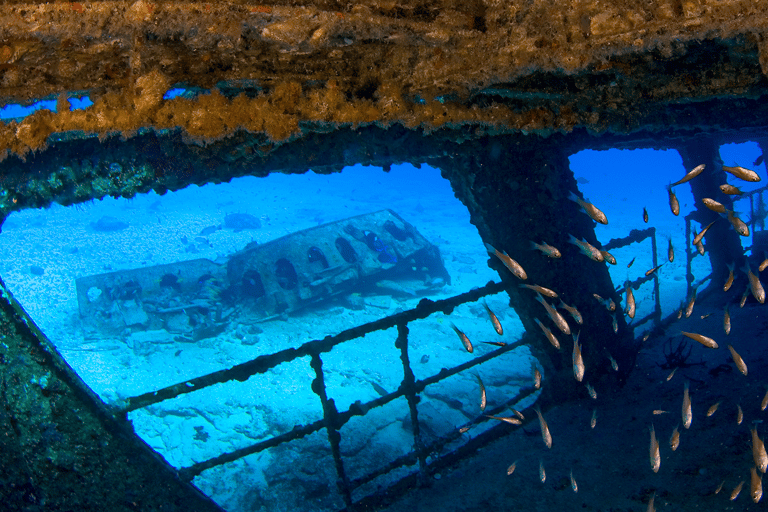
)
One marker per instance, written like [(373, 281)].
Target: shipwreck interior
[(499, 98)]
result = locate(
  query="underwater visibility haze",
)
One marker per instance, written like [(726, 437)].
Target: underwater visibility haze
[(230, 321)]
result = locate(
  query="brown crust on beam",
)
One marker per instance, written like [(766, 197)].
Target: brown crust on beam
[(509, 66)]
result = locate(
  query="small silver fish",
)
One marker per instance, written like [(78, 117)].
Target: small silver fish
[(704, 340), (536, 378), (614, 364), (727, 321), (730, 190), (547, 249), (608, 257), (551, 337), (713, 205), (654, 269), (687, 415), (690, 175), (511, 468), (754, 284), (483, 397), (674, 204), (464, 340), (578, 361), (674, 439), (494, 320), (697, 239), (738, 361), (742, 173), (573, 311), (738, 224), (739, 415), (758, 451), (729, 281), (736, 491), (574, 486), (506, 419), (593, 421), (586, 248), (592, 392), (689, 307), (590, 209), (512, 265), (670, 251), (540, 289), (556, 317), (713, 409), (542, 473), (756, 485), (655, 455), (545, 435), (630, 309)]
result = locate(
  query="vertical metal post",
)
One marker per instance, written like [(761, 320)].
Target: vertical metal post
[(688, 258), (656, 288), (413, 399), (330, 415)]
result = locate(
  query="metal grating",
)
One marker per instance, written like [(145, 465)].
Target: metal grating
[(333, 420)]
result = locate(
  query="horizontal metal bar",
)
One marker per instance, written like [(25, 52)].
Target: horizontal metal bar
[(356, 409), (298, 432), (634, 236), (411, 458), (262, 364)]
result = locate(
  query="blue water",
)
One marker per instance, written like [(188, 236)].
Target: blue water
[(129, 359)]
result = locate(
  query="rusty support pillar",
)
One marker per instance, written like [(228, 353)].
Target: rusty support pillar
[(516, 189), (722, 243)]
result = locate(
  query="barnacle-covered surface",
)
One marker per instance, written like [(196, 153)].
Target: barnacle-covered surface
[(285, 70), (497, 94)]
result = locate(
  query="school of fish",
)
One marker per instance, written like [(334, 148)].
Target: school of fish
[(759, 454)]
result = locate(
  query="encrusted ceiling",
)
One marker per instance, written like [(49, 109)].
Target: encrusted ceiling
[(282, 70)]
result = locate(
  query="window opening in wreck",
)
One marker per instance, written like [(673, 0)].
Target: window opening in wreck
[(154, 301), (622, 183)]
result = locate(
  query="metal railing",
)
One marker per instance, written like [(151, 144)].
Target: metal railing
[(637, 236), (333, 420)]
